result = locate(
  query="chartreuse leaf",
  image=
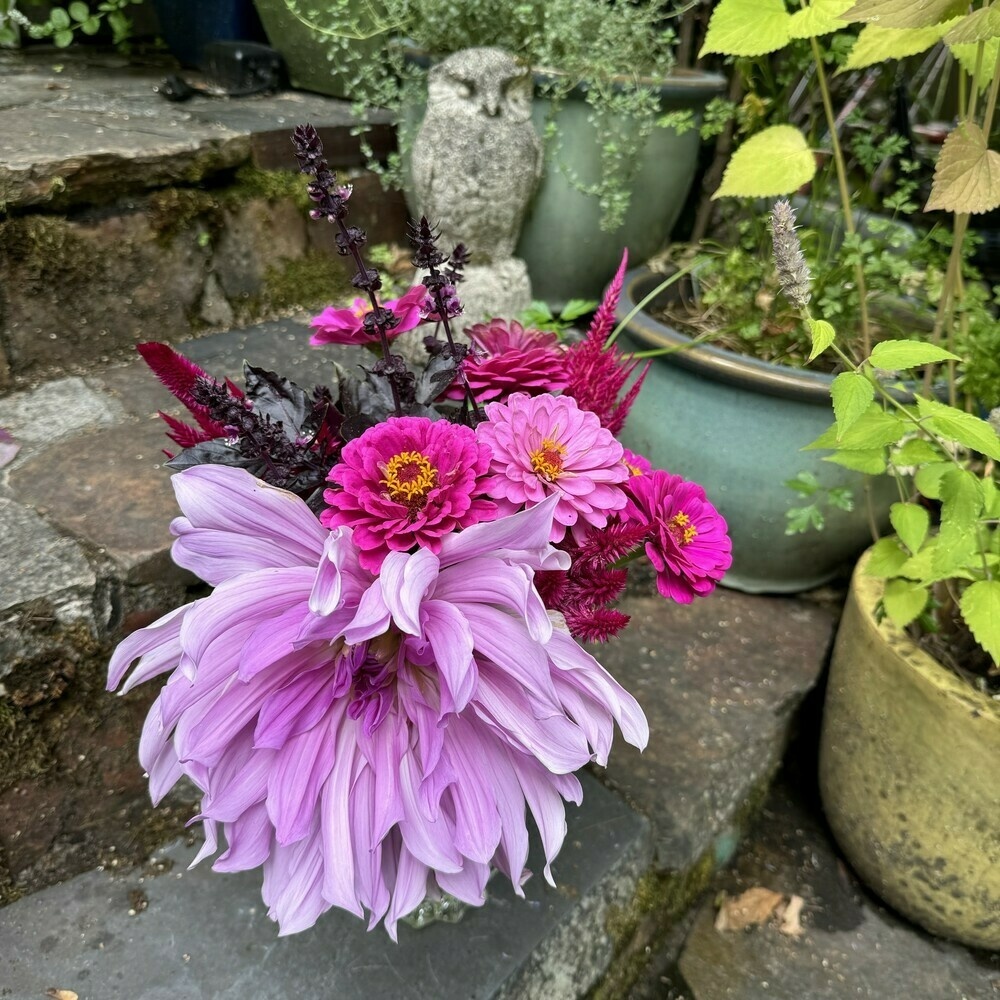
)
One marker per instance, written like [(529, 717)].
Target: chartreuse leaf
[(905, 13), (968, 430), (773, 162), (852, 394), (916, 451), (980, 26), (928, 479), (819, 18), (991, 500), (966, 56), (822, 335), (900, 355), (911, 522), (78, 10), (747, 28), (967, 175), (885, 558), (874, 429), (980, 606), (878, 44), (867, 460), (961, 507), (904, 600)]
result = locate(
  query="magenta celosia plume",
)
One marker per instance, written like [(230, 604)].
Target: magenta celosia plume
[(347, 325), (367, 739), (405, 482), (547, 446), (688, 543)]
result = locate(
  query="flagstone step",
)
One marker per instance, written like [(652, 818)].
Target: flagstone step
[(199, 935), (125, 217)]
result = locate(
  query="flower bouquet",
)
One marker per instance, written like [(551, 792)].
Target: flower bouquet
[(388, 670)]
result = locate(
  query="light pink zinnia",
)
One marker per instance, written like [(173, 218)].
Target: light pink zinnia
[(347, 325), (366, 740), (408, 481), (546, 445), (510, 359), (688, 544)]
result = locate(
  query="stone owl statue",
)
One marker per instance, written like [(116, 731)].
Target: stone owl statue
[(476, 159)]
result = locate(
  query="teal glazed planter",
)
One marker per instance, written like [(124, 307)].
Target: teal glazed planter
[(737, 426), (567, 254)]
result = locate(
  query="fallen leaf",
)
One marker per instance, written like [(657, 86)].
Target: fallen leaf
[(62, 994), (750, 909), (8, 447), (790, 914)]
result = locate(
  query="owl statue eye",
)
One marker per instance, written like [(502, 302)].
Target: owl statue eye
[(466, 88)]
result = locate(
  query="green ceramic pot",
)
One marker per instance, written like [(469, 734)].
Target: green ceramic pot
[(909, 757), (567, 254), (736, 426)]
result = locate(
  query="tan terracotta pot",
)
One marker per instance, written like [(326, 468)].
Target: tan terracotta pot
[(910, 776)]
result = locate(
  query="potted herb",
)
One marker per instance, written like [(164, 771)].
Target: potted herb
[(759, 404), (609, 104), (62, 23)]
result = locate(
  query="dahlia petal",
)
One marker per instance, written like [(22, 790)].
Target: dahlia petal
[(249, 841), (468, 885), (339, 846), (429, 841), (270, 642), (211, 844), (451, 639), (238, 785), (164, 773), (409, 891), (372, 617), (158, 639), (405, 581), (293, 709), (234, 523), (325, 595), (477, 819), (368, 879), (293, 877), (388, 743), (546, 807)]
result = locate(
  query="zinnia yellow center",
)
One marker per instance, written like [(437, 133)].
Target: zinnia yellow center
[(409, 477), (682, 529), (547, 459)]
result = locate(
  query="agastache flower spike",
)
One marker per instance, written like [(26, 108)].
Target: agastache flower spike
[(793, 271), (441, 288), (331, 201)]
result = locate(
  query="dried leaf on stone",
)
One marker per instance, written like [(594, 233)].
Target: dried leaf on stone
[(752, 908), (791, 914), (62, 994)]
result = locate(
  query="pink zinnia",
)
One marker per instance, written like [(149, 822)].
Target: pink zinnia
[(637, 465), (366, 741), (546, 445), (510, 359), (408, 481), (347, 325), (687, 544)]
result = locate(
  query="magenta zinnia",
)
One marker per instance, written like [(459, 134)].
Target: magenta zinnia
[(688, 543), (547, 446), (367, 740), (347, 325), (405, 482)]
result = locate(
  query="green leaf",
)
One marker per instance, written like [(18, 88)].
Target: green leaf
[(980, 605), (79, 11), (62, 39), (59, 19), (874, 429), (903, 601), (822, 334), (980, 26), (967, 175), (773, 162), (819, 18), (928, 479), (885, 558), (991, 500), (576, 308), (91, 26), (906, 13), (801, 519), (966, 56), (852, 395), (877, 44), (747, 28), (916, 451), (871, 461), (921, 566), (805, 483), (911, 522), (961, 505), (968, 430), (900, 355)]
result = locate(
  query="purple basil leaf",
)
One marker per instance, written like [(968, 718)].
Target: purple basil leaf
[(276, 397), (210, 453)]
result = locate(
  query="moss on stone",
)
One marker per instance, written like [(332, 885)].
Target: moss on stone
[(272, 185), (312, 281), (176, 210), (24, 752), (45, 247)]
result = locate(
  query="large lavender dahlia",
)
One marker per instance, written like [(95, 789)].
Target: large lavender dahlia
[(365, 738)]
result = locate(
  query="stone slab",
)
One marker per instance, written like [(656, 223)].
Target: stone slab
[(851, 945), (719, 680), (72, 123), (206, 936)]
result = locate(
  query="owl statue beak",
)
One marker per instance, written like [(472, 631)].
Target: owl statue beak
[(491, 105)]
